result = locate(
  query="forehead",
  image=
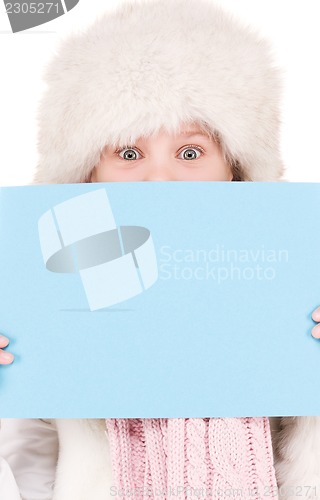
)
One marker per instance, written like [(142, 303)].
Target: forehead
[(186, 126), (186, 129)]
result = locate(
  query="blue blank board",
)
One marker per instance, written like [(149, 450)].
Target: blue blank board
[(225, 330)]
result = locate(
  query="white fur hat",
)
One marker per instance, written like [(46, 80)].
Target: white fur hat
[(159, 63)]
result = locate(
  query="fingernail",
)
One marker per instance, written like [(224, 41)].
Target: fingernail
[(316, 331), (316, 314), (3, 338), (6, 356)]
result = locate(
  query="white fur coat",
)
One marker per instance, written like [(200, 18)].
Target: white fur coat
[(84, 466)]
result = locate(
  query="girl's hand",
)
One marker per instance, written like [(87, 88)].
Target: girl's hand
[(316, 329), (5, 357)]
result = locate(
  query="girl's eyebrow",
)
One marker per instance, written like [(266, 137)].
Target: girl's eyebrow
[(189, 133)]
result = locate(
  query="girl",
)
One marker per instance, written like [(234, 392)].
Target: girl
[(162, 90), (5, 357)]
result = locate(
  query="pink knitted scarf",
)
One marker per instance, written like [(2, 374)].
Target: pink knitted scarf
[(185, 458)]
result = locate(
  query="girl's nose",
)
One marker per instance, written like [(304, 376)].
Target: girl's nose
[(158, 173)]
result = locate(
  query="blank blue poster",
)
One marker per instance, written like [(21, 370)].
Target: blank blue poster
[(160, 299)]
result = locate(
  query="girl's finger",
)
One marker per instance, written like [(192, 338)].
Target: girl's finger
[(5, 357), (316, 332), (3, 341), (316, 314)]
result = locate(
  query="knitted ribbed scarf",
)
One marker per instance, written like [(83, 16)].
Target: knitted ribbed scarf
[(191, 458)]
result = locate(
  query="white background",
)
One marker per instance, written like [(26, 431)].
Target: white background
[(292, 26)]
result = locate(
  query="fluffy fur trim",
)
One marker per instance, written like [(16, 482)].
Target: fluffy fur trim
[(297, 461), (159, 63), (84, 465)]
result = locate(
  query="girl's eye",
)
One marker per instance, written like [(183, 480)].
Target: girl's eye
[(129, 153), (189, 153)]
